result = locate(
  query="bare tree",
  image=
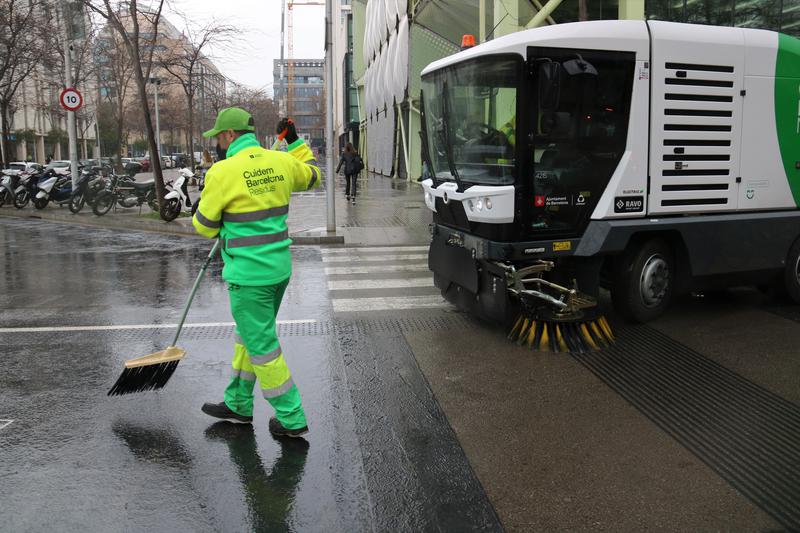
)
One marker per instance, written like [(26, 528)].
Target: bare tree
[(255, 101), (184, 59), (20, 53), (125, 17), (115, 71), (82, 50)]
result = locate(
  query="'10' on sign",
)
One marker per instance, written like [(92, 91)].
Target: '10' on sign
[(71, 99)]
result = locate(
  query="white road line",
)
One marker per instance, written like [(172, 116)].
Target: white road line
[(372, 269), (373, 250), (345, 305), (122, 327), (5, 423), (348, 285), (344, 258)]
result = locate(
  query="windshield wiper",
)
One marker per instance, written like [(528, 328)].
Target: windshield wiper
[(449, 145)]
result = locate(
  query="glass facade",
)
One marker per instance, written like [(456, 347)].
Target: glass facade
[(776, 15)]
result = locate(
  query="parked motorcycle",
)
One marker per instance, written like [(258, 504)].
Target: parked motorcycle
[(177, 199), (126, 193), (56, 189), (28, 186), (8, 184), (90, 184)]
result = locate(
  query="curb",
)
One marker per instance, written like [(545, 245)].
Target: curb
[(153, 226)]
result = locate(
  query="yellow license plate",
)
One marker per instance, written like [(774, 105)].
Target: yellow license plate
[(562, 246)]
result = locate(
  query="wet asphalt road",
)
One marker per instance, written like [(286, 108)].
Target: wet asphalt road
[(421, 418), (74, 459)]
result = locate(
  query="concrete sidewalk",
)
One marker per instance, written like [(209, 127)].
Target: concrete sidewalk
[(387, 213)]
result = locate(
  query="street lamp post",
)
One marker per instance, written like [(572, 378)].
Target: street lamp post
[(156, 82), (331, 176), (71, 126)]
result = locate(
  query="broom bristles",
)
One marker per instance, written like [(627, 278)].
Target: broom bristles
[(583, 335), (143, 378)]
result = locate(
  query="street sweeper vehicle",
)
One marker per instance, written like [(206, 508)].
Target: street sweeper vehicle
[(646, 157)]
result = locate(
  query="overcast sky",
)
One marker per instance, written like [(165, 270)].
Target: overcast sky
[(249, 59)]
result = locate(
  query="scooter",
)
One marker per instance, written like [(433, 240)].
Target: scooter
[(8, 184), (177, 199), (28, 186), (201, 184), (57, 189)]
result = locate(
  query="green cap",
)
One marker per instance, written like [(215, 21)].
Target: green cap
[(231, 118)]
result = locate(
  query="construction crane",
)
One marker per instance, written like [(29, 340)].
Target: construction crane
[(290, 56)]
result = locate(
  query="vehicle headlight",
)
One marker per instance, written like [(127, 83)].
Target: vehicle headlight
[(488, 203), (479, 204), (470, 205)]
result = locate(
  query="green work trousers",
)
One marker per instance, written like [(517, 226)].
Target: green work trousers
[(257, 354)]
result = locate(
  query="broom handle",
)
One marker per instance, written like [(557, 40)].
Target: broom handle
[(211, 255)]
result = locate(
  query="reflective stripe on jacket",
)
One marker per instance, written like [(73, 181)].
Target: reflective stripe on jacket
[(246, 202)]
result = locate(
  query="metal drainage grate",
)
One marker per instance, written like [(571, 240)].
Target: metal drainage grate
[(747, 434), (291, 329)]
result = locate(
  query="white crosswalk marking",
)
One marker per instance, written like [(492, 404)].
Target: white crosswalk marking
[(374, 250), (372, 257), (342, 305), (374, 269), (386, 278), (379, 284)]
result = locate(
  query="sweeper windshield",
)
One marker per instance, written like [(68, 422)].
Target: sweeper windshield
[(470, 112), (555, 125)]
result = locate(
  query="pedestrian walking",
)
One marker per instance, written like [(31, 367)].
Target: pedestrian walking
[(352, 166), (245, 204)]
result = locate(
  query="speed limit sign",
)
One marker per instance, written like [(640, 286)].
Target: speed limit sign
[(71, 99)]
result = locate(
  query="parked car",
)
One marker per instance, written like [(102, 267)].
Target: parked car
[(130, 166), (61, 166), (25, 166), (166, 161), (180, 160)]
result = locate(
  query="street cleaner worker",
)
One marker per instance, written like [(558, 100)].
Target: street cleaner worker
[(245, 204)]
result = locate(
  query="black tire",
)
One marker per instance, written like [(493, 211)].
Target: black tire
[(152, 200), (791, 274), (4, 197), (40, 203), (103, 203), (644, 281), (170, 210), (76, 202), (194, 207), (21, 199)]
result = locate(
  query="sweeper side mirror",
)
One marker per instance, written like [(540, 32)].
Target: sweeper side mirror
[(549, 77)]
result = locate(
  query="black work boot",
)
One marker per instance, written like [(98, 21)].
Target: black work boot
[(277, 429), (221, 411)]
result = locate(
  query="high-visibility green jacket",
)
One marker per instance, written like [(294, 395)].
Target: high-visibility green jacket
[(246, 202)]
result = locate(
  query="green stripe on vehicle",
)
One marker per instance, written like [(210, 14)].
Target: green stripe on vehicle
[(787, 109)]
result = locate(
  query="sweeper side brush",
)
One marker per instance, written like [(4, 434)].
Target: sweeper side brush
[(555, 318), (547, 335)]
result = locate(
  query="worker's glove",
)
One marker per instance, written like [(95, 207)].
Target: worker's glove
[(288, 125)]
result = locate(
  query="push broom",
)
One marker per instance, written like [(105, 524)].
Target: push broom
[(151, 372)]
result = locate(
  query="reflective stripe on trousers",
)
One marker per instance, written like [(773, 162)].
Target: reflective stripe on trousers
[(258, 353)]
